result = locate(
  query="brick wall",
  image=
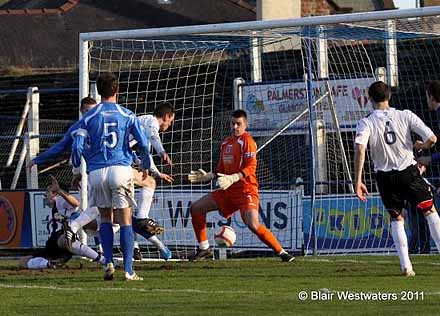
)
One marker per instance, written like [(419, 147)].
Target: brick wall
[(316, 7)]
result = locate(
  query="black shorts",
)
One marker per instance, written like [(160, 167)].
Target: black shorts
[(396, 187), (52, 250)]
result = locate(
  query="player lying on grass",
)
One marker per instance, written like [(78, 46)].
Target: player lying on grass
[(60, 249), (388, 133), (68, 209), (160, 121), (56, 253), (65, 145), (238, 189)]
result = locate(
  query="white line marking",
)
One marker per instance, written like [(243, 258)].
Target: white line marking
[(119, 289), (368, 261)]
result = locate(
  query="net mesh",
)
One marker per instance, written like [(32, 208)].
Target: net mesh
[(339, 61)]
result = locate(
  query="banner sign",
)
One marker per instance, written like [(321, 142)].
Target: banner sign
[(346, 223), (278, 212), (171, 208), (271, 106), (14, 220)]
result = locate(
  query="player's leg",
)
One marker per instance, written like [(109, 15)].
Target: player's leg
[(400, 241), (392, 186), (101, 197), (137, 255), (165, 253), (421, 195), (142, 214), (142, 223), (198, 211), (122, 188), (80, 249), (34, 263), (31, 263), (249, 215), (85, 217)]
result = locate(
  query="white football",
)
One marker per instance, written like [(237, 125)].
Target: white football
[(225, 237)]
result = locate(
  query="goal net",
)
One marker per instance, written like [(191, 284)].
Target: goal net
[(303, 83)]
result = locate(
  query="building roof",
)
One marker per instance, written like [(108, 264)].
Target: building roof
[(365, 6), (44, 33), (50, 40)]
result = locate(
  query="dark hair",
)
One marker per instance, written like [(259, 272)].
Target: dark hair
[(107, 85), (433, 90), (379, 92), (163, 109), (239, 113), (87, 101)]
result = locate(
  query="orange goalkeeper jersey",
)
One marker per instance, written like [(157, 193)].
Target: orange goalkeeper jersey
[(239, 154)]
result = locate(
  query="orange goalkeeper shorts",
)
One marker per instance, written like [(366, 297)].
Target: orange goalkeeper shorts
[(229, 202)]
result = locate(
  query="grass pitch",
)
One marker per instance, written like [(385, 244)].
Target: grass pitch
[(231, 287)]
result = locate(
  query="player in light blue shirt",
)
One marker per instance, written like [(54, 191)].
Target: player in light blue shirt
[(105, 132)]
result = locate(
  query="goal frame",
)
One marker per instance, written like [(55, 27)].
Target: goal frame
[(391, 71)]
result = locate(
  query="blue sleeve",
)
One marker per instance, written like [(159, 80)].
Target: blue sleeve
[(78, 145), (435, 158), (142, 141), (61, 146), (77, 150)]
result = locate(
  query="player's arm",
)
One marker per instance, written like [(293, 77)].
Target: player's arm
[(200, 176), (78, 145), (156, 173), (142, 142), (361, 141), (249, 165), (417, 126), (156, 142), (61, 146), (64, 144), (65, 195)]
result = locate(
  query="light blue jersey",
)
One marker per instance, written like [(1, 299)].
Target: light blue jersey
[(61, 146), (106, 129)]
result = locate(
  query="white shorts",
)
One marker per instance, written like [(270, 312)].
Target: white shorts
[(112, 187)]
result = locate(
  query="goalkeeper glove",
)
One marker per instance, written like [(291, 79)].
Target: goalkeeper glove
[(200, 176), (225, 181)]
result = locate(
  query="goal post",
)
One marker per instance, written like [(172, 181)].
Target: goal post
[(303, 83)]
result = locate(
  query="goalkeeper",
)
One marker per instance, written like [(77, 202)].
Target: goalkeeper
[(238, 190)]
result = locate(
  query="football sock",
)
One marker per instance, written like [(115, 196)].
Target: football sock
[(38, 263), (100, 259), (148, 236), (401, 244), (266, 236), (434, 228), (85, 217), (127, 247), (135, 243), (199, 224), (156, 241), (82, 250), (204, 245), (106, 236), (82, 236), (145, 200)]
